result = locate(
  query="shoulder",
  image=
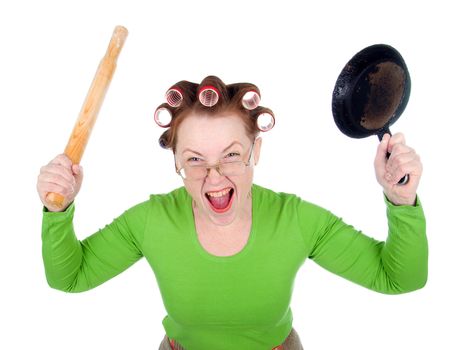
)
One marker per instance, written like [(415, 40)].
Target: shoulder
[(288, 210), (271, 197), (176, 197), (263, 193), (291, 206)]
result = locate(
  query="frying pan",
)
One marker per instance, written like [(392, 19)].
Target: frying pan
[(371, 93)]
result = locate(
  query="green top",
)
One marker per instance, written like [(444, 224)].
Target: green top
[(239, 301)]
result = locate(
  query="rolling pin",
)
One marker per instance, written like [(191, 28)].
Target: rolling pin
[(91, 106)]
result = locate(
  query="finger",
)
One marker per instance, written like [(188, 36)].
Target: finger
[(380, 158), (400, 148), (55, 179), (60, 170), (77, 170), (400, 156), (412, 168), (58, 177), (397, 138), (54, 188), (63, 160)]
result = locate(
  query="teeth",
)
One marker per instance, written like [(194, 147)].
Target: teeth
[(219, 193)]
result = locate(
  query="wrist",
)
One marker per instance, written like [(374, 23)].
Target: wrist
[(52, 209), (399, 200)]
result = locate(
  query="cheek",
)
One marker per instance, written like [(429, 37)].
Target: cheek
[(244, 183), (194, 189)]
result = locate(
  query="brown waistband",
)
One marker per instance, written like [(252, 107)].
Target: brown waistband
[(172, 344)]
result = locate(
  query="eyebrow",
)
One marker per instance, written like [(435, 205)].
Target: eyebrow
[(227, 148)]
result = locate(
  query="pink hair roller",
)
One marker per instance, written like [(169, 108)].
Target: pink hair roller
[(250, 100), (174, 97), (265, 121), (208, 96), (163, 117)]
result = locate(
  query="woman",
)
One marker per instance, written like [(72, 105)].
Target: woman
[(213, 244)]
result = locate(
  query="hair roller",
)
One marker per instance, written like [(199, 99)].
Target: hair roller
[(265, 121), (250, 100), (163, 116), (174, 96), (208, 95)]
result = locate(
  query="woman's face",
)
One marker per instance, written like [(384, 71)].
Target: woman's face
[(208, 140)]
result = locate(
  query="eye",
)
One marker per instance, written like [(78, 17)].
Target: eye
[(193, 159), (232, 155)]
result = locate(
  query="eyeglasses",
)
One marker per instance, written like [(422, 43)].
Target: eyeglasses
[(224, 168)]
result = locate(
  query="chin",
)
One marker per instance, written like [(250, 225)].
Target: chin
[(221, 220)]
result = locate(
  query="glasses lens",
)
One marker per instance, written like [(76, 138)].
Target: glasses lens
[(232, 168), (195, 173), (224, 169)]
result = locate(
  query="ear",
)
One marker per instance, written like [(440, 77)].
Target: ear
[(257, 149)]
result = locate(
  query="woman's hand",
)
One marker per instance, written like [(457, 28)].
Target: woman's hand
[(59, 176), (403, 160)]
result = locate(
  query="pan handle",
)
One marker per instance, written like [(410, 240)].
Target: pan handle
[(404, 180)]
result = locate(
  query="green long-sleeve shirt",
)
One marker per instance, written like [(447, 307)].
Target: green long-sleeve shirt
[(239, 301)]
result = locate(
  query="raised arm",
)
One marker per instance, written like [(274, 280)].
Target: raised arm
[(399, 264), (75, 266)]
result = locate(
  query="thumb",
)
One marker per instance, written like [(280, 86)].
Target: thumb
[(77, 170), (381, 154)]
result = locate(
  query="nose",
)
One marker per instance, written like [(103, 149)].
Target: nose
[(213, 175)]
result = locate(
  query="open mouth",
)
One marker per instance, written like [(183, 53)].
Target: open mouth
[(220, 201)]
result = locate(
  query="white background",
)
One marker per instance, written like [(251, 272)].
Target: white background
[(293, 51)]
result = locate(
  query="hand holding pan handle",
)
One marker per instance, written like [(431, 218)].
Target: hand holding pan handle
[(91, 106), (404, 180), (371, 93)]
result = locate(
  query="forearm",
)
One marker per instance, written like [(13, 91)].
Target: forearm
[(75, 266), (62, 252), (404, 257)]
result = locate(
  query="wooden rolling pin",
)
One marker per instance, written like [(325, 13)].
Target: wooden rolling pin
[(91, 106)]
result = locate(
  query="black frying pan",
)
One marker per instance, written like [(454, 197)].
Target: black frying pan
[(371, 93)]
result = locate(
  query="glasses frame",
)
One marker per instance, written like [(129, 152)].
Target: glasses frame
[(216, 166)]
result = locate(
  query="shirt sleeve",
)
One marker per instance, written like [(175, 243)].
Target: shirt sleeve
[(76, 266), (398, 265)]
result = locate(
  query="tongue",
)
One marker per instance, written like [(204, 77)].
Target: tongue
[(220, 202)]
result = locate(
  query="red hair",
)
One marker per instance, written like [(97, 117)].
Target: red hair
[(229, 100)]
